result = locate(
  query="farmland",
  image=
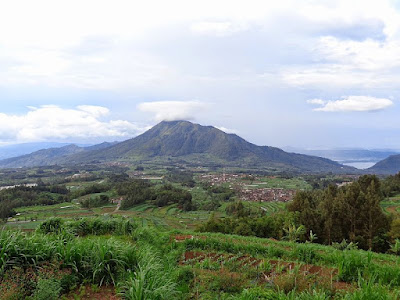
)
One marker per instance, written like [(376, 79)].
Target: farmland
[(121, 258), (154, 248)]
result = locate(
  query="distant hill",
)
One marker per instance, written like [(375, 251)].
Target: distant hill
[(185, 142), (360, 158), (390, 165), (50, 156), (8, 151)]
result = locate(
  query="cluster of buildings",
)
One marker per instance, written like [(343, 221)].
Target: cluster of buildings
[(14, 186), (215, 179), (236, 182), (79, 176), (266, 195)]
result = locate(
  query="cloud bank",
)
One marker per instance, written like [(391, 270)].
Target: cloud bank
[(51, 122), (173, 110), (352, 104)]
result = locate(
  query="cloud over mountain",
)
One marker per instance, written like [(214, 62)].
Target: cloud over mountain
[(173, 110)]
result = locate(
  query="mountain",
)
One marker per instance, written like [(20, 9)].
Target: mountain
[(50, 156), (8, 151), (185, 142), (390, 165)]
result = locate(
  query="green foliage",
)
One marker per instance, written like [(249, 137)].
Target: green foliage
[(293, 233), (352, 212), (91, 189), (394, 232), (368, 289), (136, 192), (185, 275), (305, 254), (149, 280), (344, 245), (268, 226), (96, 201), (169, 194), (51, 225), (395, 248), (89, 226), (47, 289), (28, 196), (352, 266), (183, 177)]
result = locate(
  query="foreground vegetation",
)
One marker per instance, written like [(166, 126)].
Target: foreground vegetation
[(125, 260), (108, 236)]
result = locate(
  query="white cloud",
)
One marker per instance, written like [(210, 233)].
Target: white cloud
[(316, 101), (227, 130), (348, 63), (173, 110), (217, 28), (368, 55), (352, 104), (51, 122)]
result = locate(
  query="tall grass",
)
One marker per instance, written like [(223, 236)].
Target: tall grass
[(89, 226), (100, 259), (149, 280)]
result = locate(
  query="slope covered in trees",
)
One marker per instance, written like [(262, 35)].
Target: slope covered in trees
[(182, 141)]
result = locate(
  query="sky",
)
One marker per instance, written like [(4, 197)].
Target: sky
[(299, 73)]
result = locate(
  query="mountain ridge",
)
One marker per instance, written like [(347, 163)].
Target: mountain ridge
[(205, 145), (387, 166)]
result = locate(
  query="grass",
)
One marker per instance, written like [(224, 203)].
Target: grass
[(391, 205), (144, 262)]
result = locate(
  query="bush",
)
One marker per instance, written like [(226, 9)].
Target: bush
[(89, 226), (52, 225), (47, 289), (185, 275)]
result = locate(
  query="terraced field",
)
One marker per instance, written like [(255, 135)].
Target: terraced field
[(392, 205), (285, 265)]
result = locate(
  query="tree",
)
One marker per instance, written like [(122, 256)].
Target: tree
[(373, 217)]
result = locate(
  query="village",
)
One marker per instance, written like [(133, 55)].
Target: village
[(252, 191)]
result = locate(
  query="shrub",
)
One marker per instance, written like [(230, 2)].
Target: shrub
[(185, 275), (47, 289), (52, 225)]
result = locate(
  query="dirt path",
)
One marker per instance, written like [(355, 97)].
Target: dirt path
[(118, 206)]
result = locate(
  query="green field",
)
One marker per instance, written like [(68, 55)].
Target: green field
[(392, 205), (110, 256)]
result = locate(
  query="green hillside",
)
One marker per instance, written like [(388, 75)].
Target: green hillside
[(185, 142), (390, 165)]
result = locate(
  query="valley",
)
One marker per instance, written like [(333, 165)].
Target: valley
[(214, 226)]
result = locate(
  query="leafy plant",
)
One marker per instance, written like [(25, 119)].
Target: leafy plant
[(293, 233), (47, 289)]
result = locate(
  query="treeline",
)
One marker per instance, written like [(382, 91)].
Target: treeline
[(185, 178), (95, 201), (29, 196), (327, 216), (215, 196), (140, 191), (352, 213), (391, 185), (266, 227), (95, 188)]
